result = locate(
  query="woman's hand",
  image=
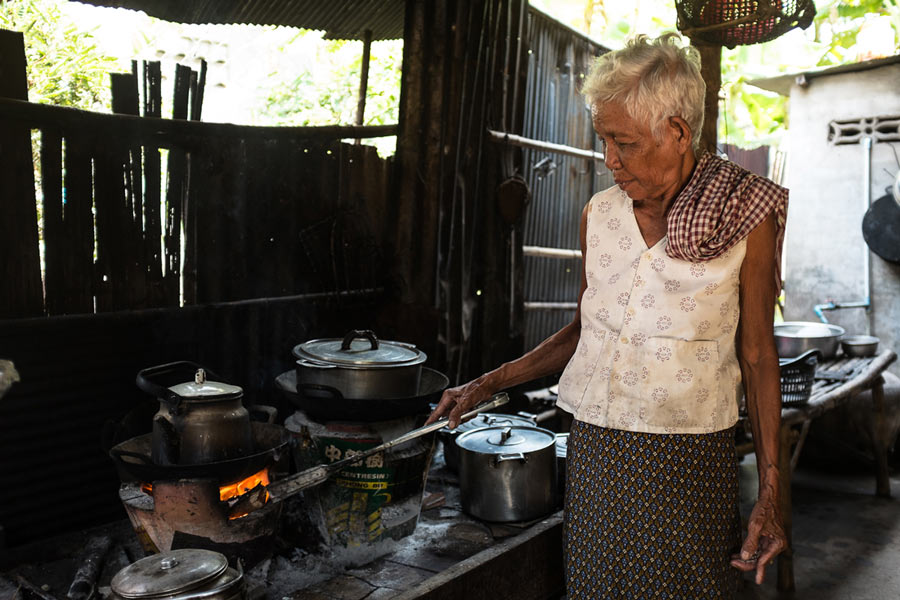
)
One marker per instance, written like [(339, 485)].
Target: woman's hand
[(765, 536), (460, 400)]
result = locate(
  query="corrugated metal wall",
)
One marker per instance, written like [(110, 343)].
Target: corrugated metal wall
[(558, 60)]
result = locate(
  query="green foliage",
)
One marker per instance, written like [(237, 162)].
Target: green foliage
[(65, 66), (326, 89), (838, 23)]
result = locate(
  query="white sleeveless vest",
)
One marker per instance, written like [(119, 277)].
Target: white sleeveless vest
[(657, 347)]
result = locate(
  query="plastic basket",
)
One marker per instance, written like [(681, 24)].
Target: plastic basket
[(797, 376)]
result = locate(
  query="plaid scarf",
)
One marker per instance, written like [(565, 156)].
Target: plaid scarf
[(720, 205)]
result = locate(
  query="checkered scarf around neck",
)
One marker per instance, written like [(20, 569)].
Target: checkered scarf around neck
[(720, 205)]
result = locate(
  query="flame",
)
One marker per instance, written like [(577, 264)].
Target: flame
[(232, 492), (227, 492)]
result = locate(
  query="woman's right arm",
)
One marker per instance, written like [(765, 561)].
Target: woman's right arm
[(549, 357)]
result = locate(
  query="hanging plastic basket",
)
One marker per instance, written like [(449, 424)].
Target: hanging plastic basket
[(741, 22)]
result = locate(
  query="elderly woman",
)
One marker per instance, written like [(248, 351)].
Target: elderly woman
[(678, 287)]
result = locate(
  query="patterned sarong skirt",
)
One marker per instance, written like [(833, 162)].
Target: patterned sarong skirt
[(650, 515)]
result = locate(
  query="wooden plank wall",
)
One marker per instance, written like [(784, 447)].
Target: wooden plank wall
[(464, 72), (258, 212), (20, 281)]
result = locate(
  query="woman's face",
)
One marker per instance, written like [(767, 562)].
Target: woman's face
[(644, 167)]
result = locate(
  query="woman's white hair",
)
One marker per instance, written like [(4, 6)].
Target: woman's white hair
[(654, 79)]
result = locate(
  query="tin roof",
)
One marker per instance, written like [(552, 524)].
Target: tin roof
[(781, 84), (339, 19)]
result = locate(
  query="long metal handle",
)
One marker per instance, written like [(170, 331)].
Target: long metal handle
[(315, 475), (496, 400)]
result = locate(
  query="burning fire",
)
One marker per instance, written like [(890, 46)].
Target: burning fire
[(227, 492), (235, 494)]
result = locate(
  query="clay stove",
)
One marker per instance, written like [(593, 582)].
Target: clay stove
[(215, 506)]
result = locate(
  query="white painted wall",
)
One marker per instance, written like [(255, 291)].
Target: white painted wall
[(824, 248)]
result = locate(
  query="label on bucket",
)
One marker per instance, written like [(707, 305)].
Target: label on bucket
[(352, 504)]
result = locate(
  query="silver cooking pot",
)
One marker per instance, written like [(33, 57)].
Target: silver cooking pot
[(448, 436), (358, 366), (507, 473), (187, 574)]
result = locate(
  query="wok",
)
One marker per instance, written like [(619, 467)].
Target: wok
[(133, 458), (324, 403)]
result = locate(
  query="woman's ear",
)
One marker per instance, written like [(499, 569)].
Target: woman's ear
[(681, 133)]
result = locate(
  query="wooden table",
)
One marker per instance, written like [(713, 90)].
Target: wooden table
[(837, 381)]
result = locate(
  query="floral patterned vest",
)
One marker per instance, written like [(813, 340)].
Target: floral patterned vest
[(657, 347)]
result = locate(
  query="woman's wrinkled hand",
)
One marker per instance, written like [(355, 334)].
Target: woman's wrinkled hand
[(765, 537), (457, 401)]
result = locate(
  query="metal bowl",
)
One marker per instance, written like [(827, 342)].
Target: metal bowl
[(793, 338), (859, 345)]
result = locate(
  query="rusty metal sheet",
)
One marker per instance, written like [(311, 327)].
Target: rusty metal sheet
[(555, 111), (339, 19)]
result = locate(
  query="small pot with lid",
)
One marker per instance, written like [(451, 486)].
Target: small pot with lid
[(507, 473), (187, 574), (448, 436), (359, 365), (199, 421)]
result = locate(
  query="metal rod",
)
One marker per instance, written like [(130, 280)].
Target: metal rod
[(518, 140), (550, 252), (551, 305), (313, 476), (867, 256)]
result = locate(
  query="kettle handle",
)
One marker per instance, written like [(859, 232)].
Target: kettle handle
[(144, 380)]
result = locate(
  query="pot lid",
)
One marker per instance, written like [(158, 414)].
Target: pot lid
[(500, 440), (489, 420), (169, 573), (360, 349), (201, 388)]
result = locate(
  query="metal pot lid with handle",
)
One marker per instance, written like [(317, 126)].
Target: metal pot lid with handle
[(502, 440), (171, 573), (489, 420), (201, 388), (360, 349)]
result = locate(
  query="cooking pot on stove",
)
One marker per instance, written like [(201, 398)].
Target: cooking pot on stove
[(187, 574), (359, 365), (507, 473), (199, 421), (448, 436)]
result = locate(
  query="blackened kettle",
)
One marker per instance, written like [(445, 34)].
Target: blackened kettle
[(199, 421)]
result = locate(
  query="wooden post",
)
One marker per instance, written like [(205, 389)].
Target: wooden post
[(880, 440), (21, 294), (711, 70), (363, 79)]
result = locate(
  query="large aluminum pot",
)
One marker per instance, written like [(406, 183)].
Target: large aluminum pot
[(359, 366), (507, 473), (794, 338), (198, 421), (448, 436), (187, 574)]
